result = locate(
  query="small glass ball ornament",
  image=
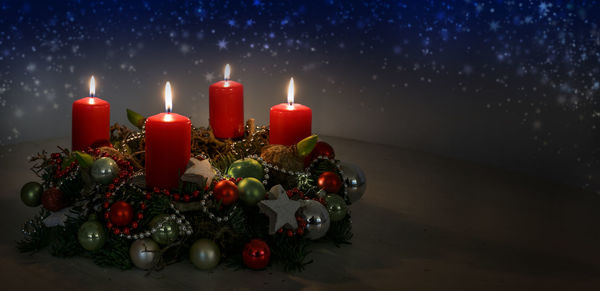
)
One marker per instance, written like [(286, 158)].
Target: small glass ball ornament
[(256, 254), (91, 234), (167, 233), (205, 254), (336, 206), (31, 194), (54, 199), (104, 170), (321, 149), (143, 253), (251, 191), (330, 182), (226, 192), (354, 180), (317, 219), (121, 213), (245, 168)]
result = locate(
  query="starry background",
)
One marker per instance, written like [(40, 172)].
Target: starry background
[(509, 83)]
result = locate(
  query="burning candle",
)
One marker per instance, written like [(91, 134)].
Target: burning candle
[(168, 145), (289, 122), (90, 126), (226, 107)]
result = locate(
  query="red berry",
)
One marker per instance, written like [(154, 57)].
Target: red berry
[(116, 230), (140, 216), (106, 215), (109, 225), (134, 225), (300, 231), (280, 230), (290, 233), (176, 197), (126, 230), (105, 205), (143, 205), (186, 198)]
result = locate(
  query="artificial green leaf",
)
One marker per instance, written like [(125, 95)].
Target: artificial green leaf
[(306, 145), (85, 160), (135, 118)]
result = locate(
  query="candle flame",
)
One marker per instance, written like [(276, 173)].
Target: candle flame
[(92, 87), (168, 98), (227, 72), (290, 97)]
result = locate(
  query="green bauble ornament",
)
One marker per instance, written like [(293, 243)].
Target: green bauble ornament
[(92, 235), (336, 206), (104, 170), (245, 168), (251, 190), (167, 232), (31, 194), (205, 254)]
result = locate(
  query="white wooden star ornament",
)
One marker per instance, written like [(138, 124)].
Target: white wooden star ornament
[(280, 209), (199, 172)]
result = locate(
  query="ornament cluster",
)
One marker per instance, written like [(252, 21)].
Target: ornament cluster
[(252, 206)]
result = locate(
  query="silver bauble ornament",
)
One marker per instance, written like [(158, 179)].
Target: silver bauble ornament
[(104, 170), (354, 180), (205, 254), (143, 253), (316, 217)]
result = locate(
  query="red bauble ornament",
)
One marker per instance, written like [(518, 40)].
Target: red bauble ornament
[(321, 149), (256, 254), (54, 200), (226, 191), (121, 213), (330, 182)]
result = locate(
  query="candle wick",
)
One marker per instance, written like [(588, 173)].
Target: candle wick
[(168, 110)]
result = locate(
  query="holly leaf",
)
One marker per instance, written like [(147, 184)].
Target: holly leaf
[(306, 145), (85, 160), (135, 118)]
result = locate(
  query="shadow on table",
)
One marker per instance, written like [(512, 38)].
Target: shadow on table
[(391, 242)]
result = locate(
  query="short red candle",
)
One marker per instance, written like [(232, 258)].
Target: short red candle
[(90, 126), (226, 108), (289, 123), (168, 145)]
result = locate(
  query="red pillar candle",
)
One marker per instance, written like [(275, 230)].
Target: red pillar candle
[(168, 145), (289, 122), (226, 107), (90, 126)]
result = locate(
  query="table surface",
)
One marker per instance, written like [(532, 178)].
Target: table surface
[(425, 222)]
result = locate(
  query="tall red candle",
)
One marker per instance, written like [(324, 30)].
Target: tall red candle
[(226, 107), (289, 122), (90, 124), (168, 145)]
